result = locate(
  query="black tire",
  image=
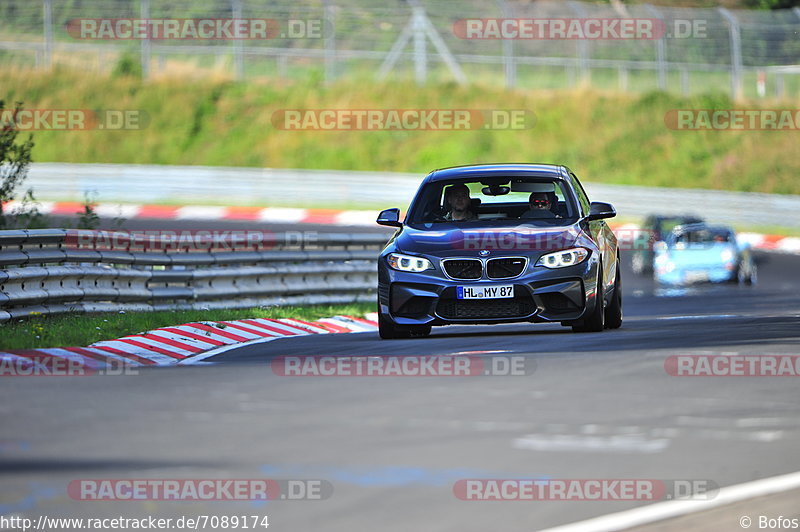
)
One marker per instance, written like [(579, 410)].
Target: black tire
[(595, 322), (420, 331), (752, 277), (613, 313), (389, 331)]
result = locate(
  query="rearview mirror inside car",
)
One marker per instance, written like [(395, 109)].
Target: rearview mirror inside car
[(390, 217), (496, 190)]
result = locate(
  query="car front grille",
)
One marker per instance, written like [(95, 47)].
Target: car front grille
[(463, 268), (483, 308), (505, 268), (451, 308)]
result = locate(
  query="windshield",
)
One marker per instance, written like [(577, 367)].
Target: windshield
[(539, 201), (703, 237)]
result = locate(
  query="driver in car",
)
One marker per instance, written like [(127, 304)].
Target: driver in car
[(457, 199), (541, 205)]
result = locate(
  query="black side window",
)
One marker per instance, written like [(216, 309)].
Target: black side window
[(583, 199)]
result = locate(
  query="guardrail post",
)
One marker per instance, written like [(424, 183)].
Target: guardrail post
[(238, 59), (736, 52), (47, 59), (144, 13)]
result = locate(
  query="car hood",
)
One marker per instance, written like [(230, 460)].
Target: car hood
[(701, 257), (521, 239)]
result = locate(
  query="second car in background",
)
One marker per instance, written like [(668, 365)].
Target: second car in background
[(703, 253)]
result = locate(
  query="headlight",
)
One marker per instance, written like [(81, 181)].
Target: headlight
[(562, 259), (408, 263)]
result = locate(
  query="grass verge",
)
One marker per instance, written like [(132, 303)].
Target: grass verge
[(80, 330), (605, 137)]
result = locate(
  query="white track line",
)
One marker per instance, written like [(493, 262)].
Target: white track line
[(670, 509)]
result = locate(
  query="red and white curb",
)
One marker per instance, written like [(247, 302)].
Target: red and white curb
[(206, 213), (190, 343), (284, 215)]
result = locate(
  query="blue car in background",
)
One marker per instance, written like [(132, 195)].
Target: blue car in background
[(700, 252)]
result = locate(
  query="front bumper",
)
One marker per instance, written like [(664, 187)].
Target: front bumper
[(540, 295), (687, 276)]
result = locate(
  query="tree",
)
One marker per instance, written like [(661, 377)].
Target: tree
[(15, 156)]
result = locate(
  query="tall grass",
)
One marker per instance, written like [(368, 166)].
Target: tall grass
[(604, 136)]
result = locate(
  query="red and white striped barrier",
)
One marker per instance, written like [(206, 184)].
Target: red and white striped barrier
[(189, 343)]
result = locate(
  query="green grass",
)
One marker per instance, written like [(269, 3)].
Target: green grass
[(604, 136), (77, 330)]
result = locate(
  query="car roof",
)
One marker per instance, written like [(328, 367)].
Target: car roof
[(553, 171)]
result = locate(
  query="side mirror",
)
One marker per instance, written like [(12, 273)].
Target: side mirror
[(390, 217), (599, 211), (660, 246)]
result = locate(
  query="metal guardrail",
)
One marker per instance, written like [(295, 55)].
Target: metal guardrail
[(54, 271), (289, 187)]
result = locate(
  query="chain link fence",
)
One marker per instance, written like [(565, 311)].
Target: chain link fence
[(749, 53)]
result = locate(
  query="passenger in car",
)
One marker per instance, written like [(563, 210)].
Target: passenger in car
[(457, 199)]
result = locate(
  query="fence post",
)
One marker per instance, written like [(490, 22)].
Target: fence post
[(583, 50), (685, 81), (47, 60), (736, 52), (508, 50), (661, 51), (622, 75), (330, 42), (238, 59), (144, 13), (420, 46)]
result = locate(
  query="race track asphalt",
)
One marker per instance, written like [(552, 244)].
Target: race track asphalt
[(592, 406)]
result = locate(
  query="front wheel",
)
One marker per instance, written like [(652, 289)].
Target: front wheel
[(596, 321), (613, 313)]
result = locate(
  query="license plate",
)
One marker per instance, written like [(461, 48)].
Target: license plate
[(695, 276), (485, 292)]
